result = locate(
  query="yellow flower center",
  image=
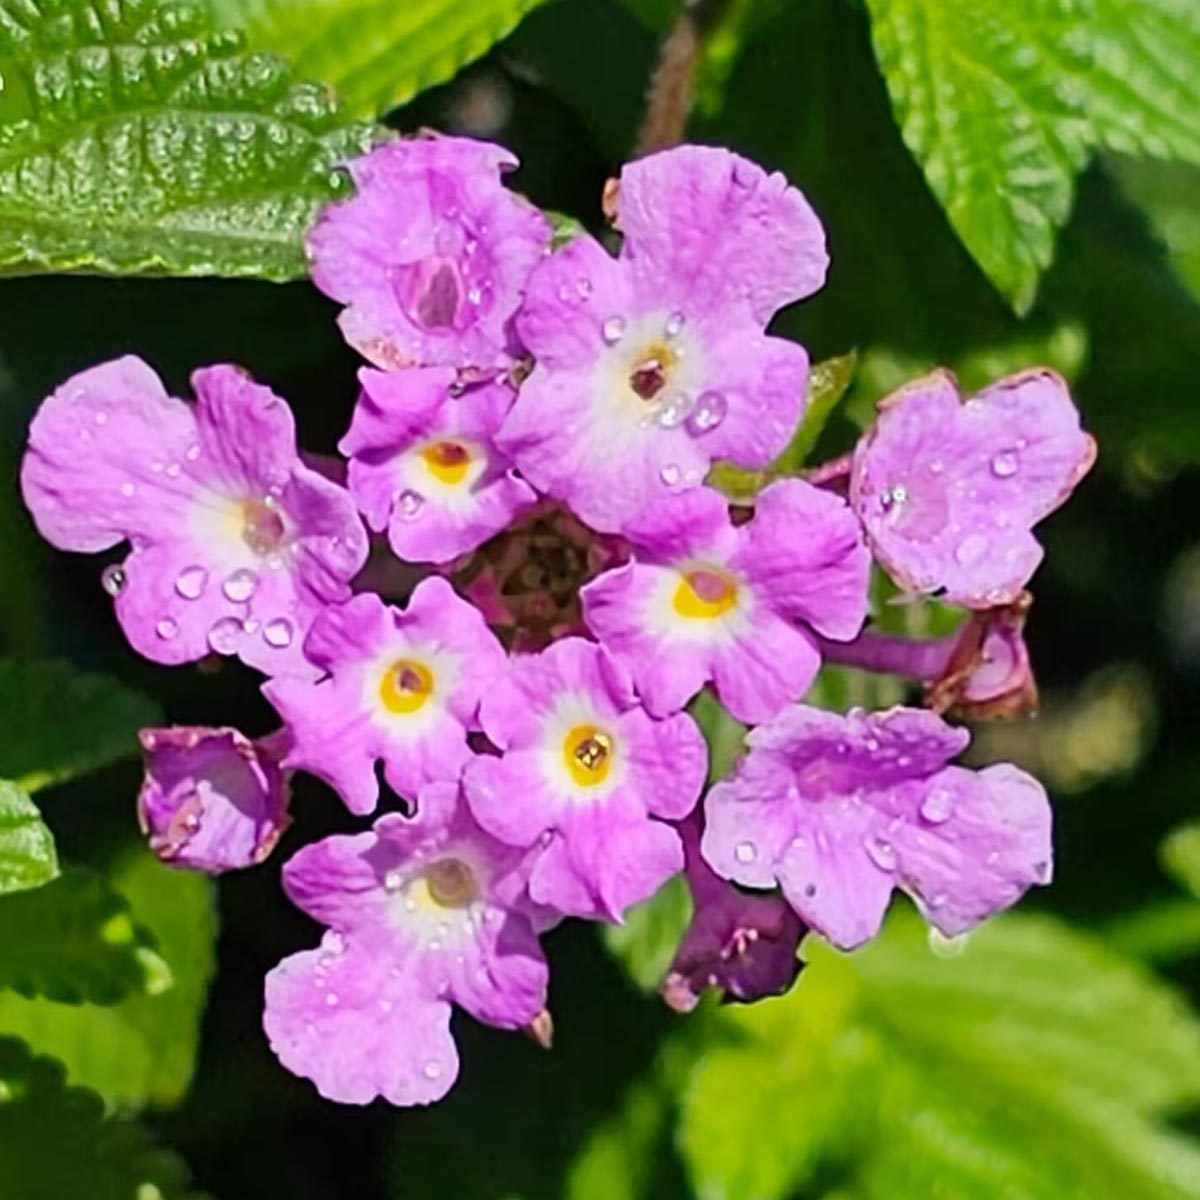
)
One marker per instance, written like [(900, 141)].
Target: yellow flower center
[(704, 594), (447, 461), (405, 686), (451, 883), (588, 752)]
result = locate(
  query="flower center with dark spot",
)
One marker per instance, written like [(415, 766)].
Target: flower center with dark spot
[(406, 686), (705, 593), (588, 752), (651, 371), (451, 883), (447, 461), (263, 528)]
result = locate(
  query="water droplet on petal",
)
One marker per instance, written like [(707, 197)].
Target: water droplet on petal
[(1041, 871), (191, 582), (193, 453), (127, 489), (584, 286), (173, 470), (411, 504), (112, 579), (938, 806), (670, 474), (278, 633), (710, 411), (239, 587), (1006, 464), (674, 410), (474, 296), (674, 325), (223, 637), (335, 943), (102, 418), (745, 852), (433, 1069), (166, 629), (881, 852), (393, 881), (331, 998), (385, 1006), (970, 549), (613, 330)]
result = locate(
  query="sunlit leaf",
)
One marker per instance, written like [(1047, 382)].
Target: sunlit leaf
[(27, 855)]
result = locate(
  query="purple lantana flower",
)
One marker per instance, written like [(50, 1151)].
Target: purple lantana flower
[(745, 944), (403, 686), (236, 545), (424, 466), (704, 600), (839, 810), (423, 913), (651, 365), (948, 490), (587, 776), (431, 255), (213, 799)]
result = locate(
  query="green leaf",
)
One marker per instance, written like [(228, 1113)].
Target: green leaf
[(1181, 856), (375, 53), (75, 940), (27, 855), (141, 1051), (55, 1140), (60, 722), (725, 735), (134, 139), (647, 941), (1034, 1063), (1169, 194), (1002, 106)]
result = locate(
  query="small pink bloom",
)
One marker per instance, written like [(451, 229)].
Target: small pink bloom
[(236, 545), (403, 686), (948, 490), (587, 777), (841, 810), (431, 255), (703, 600)]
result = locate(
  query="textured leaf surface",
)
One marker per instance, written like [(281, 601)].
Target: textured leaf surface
[(59, 722), (134, 139), (141, 1051), (27, 855), (375, 53), (647, 941), (1002, 104), (1181, 856), (57, 1142), (75, 940), (1033, 1063)]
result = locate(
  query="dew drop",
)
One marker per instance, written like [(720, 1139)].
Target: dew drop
[(335, 943), (224, 635), (411, 504), (239, 587), (393, 881), (881, 852), (331, 998), (385, 1006), (674, 410), (613, 330), (1041, 871), (745, 852), (102, 418), (709, 412), (166, 629), (970, 549), (278, 633), (433, 1069), (190, 582), (112, 579), (474, 296), (938, 806), (583, 285), (674, 325), (1005, 465), (670, 474), (173, 470), (127, 489), (193, 453), (893, 497)]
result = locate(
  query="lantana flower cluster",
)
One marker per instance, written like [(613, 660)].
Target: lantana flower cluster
[(504, 690)]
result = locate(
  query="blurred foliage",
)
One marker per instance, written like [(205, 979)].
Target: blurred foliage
[(1040, 1060)]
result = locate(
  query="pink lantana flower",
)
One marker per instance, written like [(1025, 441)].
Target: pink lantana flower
[(948, 489), (703, 600), (212, 799), (235, 544), (587, 777), (423, 913), (424, 466), (840, 810), (403, 686), (431, 255), (651, 365)]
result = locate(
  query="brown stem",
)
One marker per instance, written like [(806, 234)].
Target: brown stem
[(673, 84)]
